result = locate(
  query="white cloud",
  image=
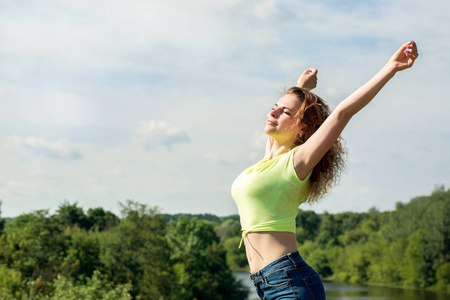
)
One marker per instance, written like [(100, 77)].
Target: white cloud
[(154, 134), (59, 149)]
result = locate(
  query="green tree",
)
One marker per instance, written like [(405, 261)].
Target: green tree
[(233, 230), (436, 225), (101, 220), (348, 220), (429, 216), (415, 265), (97, 287), (34, 245), (236, 258), (2, 222), (83, 255), (358, 263), (228, 228), (200, 262), (319, 261), (308, 224), (385, 259), (71, 214), (10, 281), (329, 231), (337, 263), (443, 277), (136, 251)]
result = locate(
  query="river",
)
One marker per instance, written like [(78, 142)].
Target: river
[(343, 291)]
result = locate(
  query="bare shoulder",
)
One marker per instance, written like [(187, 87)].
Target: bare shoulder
[(300, 166)]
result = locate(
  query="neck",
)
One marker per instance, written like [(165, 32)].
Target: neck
[(277, 148)]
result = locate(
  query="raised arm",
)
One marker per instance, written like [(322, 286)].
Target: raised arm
[(311, 152), (308, 79)]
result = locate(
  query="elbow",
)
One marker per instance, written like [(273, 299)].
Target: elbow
[(343, 114)]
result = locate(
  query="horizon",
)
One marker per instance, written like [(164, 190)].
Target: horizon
[(160, 212)]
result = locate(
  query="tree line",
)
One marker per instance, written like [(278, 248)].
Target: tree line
[(97, 255), (144, 254)]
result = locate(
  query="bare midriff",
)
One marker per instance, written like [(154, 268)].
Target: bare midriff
[(262, 248)]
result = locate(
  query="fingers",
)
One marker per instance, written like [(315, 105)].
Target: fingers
[(411, 50), (404, 57), (308, 79), (412, 55), (411, 45), (310, 71)]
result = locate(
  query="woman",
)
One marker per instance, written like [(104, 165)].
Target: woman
[(303, 159)]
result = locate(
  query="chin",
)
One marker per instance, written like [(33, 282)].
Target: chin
[(268, 130)]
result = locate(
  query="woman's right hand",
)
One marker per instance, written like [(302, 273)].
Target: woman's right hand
[(308, 79), (404, 57)]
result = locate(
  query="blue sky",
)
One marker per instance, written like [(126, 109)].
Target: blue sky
[(163, 102)]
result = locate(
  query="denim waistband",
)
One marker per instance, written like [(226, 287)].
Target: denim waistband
[(293, 258)]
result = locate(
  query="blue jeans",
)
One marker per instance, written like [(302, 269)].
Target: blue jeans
[(289, 277)]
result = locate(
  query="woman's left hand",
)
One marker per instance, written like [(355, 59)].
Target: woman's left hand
[(404, 57), (308, 79)]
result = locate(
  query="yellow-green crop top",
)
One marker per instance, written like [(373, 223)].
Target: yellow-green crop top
[(268, 195)]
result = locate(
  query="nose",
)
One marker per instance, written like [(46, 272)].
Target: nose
[(275, 112)]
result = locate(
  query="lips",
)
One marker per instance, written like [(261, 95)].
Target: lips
[(270, 122)]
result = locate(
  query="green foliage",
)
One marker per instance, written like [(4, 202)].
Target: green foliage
[(2, 222), (34, 245), (236, 257), (358, 262), (70, 215), (82, 258), (146, 255), (10, 281), (139, 256), (408, 246), (337, 263), (229, 228), (329, 231), (96, 287), (200, 262), (411, 269), (424, 223), (206, 217), (319, 261), (443, 276), (101, 220), (308, 223), (133, 250), (385, 260)]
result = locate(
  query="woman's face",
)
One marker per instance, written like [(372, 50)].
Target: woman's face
[(280, 121)]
